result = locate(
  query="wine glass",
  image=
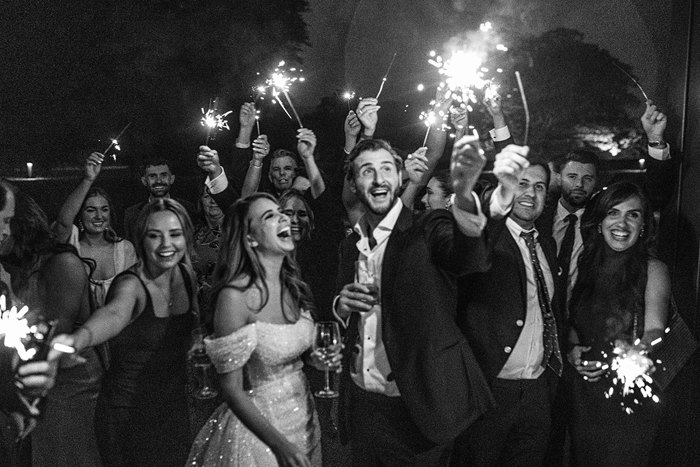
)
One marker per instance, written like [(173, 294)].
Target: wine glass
[(202, 368), (326, 342), (366, 274)]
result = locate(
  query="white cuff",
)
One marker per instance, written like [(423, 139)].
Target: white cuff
[(498, 206), (343, 322), (242, 145), (470, 224), (500, 134), (660, 154), (219, 183)]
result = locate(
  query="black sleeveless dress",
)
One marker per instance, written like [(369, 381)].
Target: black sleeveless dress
[(144, 416), (602, 432)]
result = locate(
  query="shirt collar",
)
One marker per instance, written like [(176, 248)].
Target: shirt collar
[(386, 225), (516, 230), (562, 212)]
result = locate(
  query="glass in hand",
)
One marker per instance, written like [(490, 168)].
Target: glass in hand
[(366, 275), (201, 367), (327, 344)]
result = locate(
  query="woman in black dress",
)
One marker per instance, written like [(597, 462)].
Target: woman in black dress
[(149, 315), (622, 294)]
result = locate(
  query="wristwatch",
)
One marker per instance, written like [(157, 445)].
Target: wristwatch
[(658, 144)]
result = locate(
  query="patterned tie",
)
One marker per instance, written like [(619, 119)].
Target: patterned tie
[(552, 355), (567, 246)]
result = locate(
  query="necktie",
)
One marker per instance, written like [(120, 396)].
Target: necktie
[(552, 355), (567, 246)]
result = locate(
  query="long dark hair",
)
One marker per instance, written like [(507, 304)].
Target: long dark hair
[(32, 242), (627, 284), (238, 259)]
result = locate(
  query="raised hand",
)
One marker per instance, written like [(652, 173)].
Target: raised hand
[(367, 113), (466, 165), (509, 166), (93, 165), (306, 144), (208, 160), (246, 116), (654, 122), (261, 147), (352, 125), (416, 165), (459, 117)]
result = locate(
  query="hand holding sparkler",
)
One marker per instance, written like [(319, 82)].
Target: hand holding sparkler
[(246, 116), (93, 166), (492, 102), (508, 168), (591, 370), (208, 161), (367, 114), (654, 122), (351, 128), (466, 165), (261, 148), (306, 143), (459, 118), (416, 166)]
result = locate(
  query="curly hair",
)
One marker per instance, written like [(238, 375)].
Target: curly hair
[(237, 259)]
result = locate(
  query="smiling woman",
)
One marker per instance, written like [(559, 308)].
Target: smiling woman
[(149, 315)]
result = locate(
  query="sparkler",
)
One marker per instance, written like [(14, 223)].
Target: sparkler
[(280, 82), (381, 87), (115, 143), (214, 121), (525, 107), (16, 329), (646, 98), (632, 368), (348, 96)]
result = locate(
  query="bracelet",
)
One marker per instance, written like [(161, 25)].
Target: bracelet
[(256, 163)]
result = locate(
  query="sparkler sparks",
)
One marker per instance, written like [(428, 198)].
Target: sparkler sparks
[(349, 96), (15, 328), (115, 143), (280, 81), (632, 368), (213, 121)]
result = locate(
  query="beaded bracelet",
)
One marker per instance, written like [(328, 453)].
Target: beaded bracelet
[(256, 163)]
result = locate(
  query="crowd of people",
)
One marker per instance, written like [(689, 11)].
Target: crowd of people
[(485, 339)]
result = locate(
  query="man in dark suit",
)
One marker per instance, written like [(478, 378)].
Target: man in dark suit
[(510, 316), (157, 178), (410, 381)]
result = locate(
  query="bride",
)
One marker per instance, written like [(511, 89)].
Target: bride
[(263, 325)]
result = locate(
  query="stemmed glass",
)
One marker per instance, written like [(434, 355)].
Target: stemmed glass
[(326, 342), (202, 367)]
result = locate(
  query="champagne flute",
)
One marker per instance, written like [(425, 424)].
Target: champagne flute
[(326, 342), (366, 274), (202, 367)]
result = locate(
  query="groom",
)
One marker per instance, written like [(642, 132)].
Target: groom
[(411, 383)]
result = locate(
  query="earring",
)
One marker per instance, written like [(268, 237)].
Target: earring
[(600, 229), (253, 244), (81, 227), (641, 233)]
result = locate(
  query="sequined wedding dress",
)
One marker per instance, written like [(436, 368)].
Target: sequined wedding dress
[(270, 357)]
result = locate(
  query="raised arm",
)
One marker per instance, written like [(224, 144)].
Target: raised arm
[(261, 148), (231, 315), (71, 206), (351, 128), (367, 114), (306, 146)]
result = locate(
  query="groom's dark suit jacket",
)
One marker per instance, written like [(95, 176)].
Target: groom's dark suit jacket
[(431, 361), (492, 305)]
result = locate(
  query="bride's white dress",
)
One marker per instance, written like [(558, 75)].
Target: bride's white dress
[(270, 357)]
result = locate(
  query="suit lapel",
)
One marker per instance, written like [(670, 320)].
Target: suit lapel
[(394, 246)]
